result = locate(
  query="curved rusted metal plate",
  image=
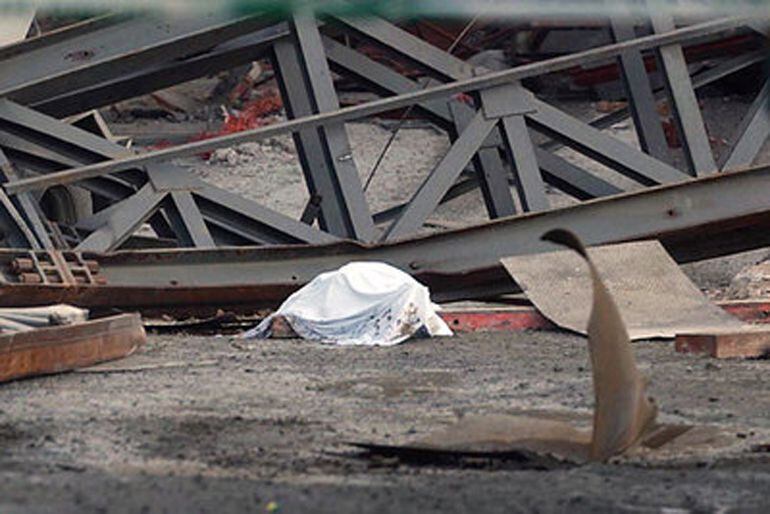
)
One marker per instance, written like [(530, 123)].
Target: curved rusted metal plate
[(64, 348)]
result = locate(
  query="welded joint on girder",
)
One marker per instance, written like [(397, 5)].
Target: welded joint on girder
[(167, 178), (507, 100)]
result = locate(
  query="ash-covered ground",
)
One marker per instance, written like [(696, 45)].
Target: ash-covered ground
[(246, 427)]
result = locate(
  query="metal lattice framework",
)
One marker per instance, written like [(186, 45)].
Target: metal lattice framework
[(109, 59)]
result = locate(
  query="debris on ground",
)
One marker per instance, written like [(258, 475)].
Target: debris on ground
[(23, 319), (751, 282), (206, 168), (748, 343)]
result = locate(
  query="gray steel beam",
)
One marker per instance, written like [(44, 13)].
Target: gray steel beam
[(225, 233), (38, 145), (603, 148), (164, 178), (435, 61), (511, 103), (60, 145), (14, 231), (101, 187), (67, 33), (76, 141), (460, 188), (571, 179), (491, 79), (529, 183), (319, 84), (311, 210), (123, 222), (751, 134), (384, 80), (488, 167), (683, 102), (441, 178), (701, 79), (115, 50), (450, 115), (268, 225), (641, 100), (187, 222), (556, 171), (319, 173), (228, 55), (28, 208), (38, 149)]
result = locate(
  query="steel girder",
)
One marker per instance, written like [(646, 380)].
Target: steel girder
[(325, 154), (139, 195), (497, 124), (642, 103), (228, 55), (459, 264), (387, 104), (111, 47)]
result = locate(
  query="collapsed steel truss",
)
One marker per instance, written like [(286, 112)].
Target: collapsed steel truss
[(709, 217), (113, 58)]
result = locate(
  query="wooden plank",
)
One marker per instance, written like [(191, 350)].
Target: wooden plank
[(63, 348), (744, 344)]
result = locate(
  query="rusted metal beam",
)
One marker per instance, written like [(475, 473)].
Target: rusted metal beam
[(57, 349)]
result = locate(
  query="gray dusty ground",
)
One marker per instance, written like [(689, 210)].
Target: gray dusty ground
[(243, 426)]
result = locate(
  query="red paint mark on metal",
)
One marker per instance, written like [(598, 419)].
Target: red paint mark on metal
[(750, 311), (514, 319), (463, 321), (505, 319), (496, 320)]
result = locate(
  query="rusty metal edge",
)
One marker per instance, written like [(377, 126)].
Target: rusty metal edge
[(63, 348)]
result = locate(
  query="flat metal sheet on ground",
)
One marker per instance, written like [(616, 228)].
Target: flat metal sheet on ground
[(654, 297)]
